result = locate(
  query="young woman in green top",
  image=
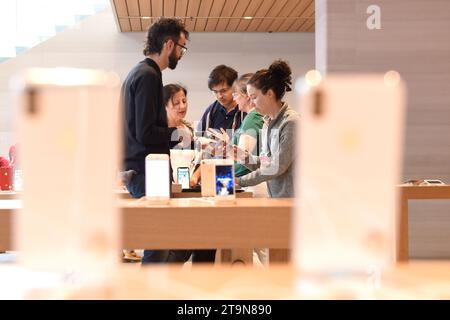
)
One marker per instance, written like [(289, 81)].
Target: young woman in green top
[(247, 136)]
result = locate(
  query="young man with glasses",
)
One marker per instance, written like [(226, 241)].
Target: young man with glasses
[(145, 118), (224, 112), (221, 114)]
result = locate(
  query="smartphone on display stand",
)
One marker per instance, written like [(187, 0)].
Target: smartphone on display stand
[(183, 177), (224, 180)]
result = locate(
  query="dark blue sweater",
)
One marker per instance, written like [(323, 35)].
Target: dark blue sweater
[(145, 117)]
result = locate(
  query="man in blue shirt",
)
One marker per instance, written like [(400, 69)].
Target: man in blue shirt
[(221, 114), (224, 112)]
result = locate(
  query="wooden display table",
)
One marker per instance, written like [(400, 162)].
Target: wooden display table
[(417, 280), (410, 192), (194, 223)]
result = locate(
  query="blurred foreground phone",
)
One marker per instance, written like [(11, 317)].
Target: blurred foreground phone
[(351, 141), (68, 168), (224, 180), (217, 178), (183, 177), (157, 177)]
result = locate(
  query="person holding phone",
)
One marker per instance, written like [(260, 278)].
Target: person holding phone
[(246, 137), (275, 165)]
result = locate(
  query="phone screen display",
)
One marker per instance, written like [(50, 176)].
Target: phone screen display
[(224, 180), (183, 177)]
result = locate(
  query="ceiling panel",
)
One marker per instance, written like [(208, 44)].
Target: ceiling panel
[(216, 11), (218, 15), (203, 12)]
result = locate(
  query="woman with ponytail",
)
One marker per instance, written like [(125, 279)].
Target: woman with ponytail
[(275, 165)]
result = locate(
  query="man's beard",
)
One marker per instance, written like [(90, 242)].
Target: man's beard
[(173, 60)]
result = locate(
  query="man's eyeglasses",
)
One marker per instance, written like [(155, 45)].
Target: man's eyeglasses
[(221, 91), (183, 48)]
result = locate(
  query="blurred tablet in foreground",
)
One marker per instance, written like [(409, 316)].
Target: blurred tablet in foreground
[(157, 177), (217, 179), (69, 140), (351, 141)]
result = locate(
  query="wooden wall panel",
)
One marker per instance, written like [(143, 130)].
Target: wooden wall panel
[(133, 10), (249, 12), (193, 8), (226, 12), (218, 15), (238, 12), (297, 12), (169, 8), (216, 11), (181, 9), (285, 12), (205, 8), (145, 9), (306, 18), (274, 11), (262, 11), (157, 8)]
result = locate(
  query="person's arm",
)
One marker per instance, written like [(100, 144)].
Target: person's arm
[(247, 142), (148, 132), (278, 163)]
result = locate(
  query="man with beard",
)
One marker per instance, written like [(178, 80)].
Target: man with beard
[(145, 118)]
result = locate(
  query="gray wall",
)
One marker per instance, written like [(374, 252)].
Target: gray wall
[(414, 40)]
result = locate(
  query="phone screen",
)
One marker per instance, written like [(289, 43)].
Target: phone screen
[(183, 177), (224, 180)]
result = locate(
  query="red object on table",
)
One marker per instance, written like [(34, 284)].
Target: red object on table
[(6, 179)]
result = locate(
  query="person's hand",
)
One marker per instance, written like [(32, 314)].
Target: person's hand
[(240, 155), (195, 178), (225, 144), (225, 138)]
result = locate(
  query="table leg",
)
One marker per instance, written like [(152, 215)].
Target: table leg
[(402, 236)]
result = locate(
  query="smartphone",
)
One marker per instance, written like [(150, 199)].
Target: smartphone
[(351, 142), (157, 176), (183, 177), (217, 178), (224, 180)]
